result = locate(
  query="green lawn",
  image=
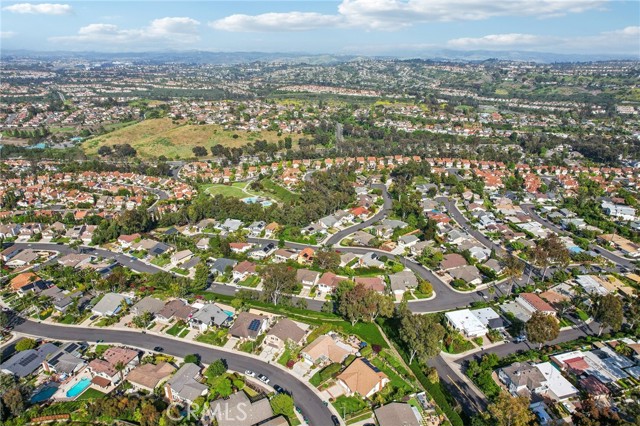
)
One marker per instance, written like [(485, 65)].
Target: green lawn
[(176, 328), (582, 314), (279, 192), (346, 405), (90, 394), (213, 337), (161, 261), (251, 281), (184, 332), (233, 190)]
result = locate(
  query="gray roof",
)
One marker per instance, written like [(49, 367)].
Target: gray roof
[(148, 304), (211, 314), (524, 374), (238, 410), (396, 414), (286, 329), (67, 358), (467, 273), (109, 304), (221, 264), (26, 362), (185, 384), (402, 280)]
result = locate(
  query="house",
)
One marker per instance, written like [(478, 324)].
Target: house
[(347, 258), (398, 414), (230, 225), (283, 255), (451, 261), (27, 281), (67, 360), (408, 241), (372, 283), (249, 326), (125, 241), (148, 376), (210, 315), (494, 265), (221, 265), (467, 273), (465, 322), (306, 255), (26, 362), (328, 282), (284, 331), (532, 303), (362, 238), (175, 309), (185, 385), (401, 281), (23, 258), (240, 247), (480, 253), (147, 304), (557, 388), (243, 269), (181, 256), (203, 244), (75, 260), (263, 251), (370, 260), (522, 379), (326, 348), (110, 304), (108, 368), (306, 277), (490, 318), (239, 410), (362, 378)]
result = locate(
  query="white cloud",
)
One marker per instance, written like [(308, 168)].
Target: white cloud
[(6, 34), (171, 30), (625, 40), (498, 40), (275, 22), (397, 14), (39, 8)]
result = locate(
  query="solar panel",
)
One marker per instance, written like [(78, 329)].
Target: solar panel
[(28, 359), (255, 325)]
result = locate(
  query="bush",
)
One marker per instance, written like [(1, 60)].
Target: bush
[(366, 351), (330, 371)]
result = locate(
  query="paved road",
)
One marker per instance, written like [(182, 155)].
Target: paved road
[(529, 208), (310, 403), (467, 226), (381, 214)]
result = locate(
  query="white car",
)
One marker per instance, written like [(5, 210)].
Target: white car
[(250, 373), (264, 379)]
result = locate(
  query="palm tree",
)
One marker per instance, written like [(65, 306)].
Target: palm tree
[(119, 367)]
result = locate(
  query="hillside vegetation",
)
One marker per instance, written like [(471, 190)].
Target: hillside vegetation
[(162, 136)]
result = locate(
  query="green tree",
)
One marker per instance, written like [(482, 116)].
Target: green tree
[(25, 344), (143, 320), (282, 404), (216, 369), (608, 312), (542, 328), (201, 278), (326, 259), (507, 410), (14, 400), (422, 334), (192, 358), (4, 319), (279, 279)]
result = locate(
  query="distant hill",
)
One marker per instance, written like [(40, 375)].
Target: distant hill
[(230, 58)]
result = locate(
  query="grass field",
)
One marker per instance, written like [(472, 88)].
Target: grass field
[(233, 190), (156, 137), (90, 394)]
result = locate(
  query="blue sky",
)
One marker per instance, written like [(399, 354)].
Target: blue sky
[(339, 27)]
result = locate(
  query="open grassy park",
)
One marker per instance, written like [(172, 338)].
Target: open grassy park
[(162, 136)]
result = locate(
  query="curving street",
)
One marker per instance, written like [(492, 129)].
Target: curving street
[(309, 402)]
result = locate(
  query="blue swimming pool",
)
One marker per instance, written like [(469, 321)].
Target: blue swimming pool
[(44, 394), (78, 388)]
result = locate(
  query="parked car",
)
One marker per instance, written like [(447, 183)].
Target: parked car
[(278, 388), (158, 349), (335, 420), (264, 379), (250, 373), (520, 339)]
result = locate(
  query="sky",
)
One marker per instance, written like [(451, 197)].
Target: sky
[(367, 27)]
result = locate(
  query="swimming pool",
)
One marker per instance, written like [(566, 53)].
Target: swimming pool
[(78, 388), (43, 394)]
